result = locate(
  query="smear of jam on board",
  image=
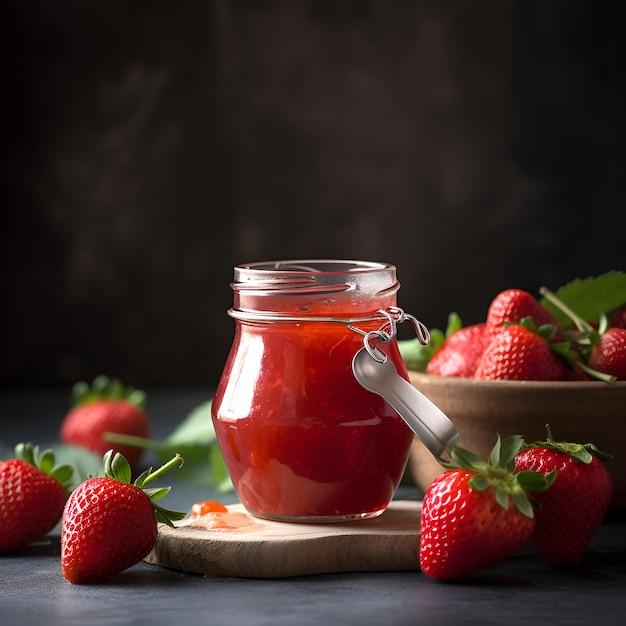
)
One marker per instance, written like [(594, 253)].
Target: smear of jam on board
[(214, 516)]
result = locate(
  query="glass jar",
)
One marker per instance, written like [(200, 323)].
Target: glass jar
[(301, 439)]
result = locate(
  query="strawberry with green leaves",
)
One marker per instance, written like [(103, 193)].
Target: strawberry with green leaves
[(109, 524), (601, 350), (33, 491), (574, 506), (477, 512), (106, 406)]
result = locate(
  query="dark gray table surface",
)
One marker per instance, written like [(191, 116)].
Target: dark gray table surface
[(519, 590)]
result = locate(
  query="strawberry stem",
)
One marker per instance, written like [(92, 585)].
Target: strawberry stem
[(176, 460), (132, 440)]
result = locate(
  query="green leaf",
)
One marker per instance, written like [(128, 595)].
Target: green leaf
[(63, 473), (534, 481), (196, 428), (522, 502), (502, 497), (195, 440), (46, 461), (465, 458), (509, 447), (156, 493), (83, 463), (583, 455), (590, 297), (117, 467), (167, 516)]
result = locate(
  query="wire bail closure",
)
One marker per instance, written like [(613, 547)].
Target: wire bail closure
[(391, 316), (389, 330)]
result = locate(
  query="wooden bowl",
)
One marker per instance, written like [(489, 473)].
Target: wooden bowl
[(580, 412)]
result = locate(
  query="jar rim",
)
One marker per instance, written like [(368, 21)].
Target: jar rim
[(309, 274)]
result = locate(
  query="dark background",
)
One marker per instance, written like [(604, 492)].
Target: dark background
[(151, 146)]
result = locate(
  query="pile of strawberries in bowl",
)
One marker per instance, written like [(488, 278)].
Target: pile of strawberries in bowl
[(557, 359)]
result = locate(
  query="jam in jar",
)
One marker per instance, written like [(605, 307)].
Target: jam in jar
[(301, 439)]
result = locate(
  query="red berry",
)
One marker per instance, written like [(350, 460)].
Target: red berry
[(109, 524), (31, 500), (518, 353), (573, 507), (459, 354), (513, 305), (107, 527), (106, 407), (472, 517), (609, 354)]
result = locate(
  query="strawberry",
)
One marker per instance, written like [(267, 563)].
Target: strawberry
[(32, 496), (106, 407), (477, 513), (517, 352), (109, 524), (600, 347), (574, 506), (609, 354), (513, 305), (460, 352)]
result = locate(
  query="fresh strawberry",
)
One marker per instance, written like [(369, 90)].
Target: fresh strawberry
[(106, 407), (109, 524), (574, 506), (513, 305), (32, 496), (518, 352), (460, 352), (600, 347), (477, 513), (609, 354)]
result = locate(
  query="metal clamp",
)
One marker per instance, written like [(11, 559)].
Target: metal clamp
[(389, 330)]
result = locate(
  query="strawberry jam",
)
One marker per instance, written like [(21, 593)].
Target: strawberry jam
[(302, 440)]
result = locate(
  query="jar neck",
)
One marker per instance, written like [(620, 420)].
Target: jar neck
[(314, 288)]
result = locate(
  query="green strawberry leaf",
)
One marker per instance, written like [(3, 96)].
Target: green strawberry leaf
[(523, 503), (504, 451), (582, 452), (590, 297), (117, 467), (82, 462), (195, 440), (157, 493), (196, 428), (535, 481)]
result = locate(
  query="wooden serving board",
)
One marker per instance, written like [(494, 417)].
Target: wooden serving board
[(266, 549)]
